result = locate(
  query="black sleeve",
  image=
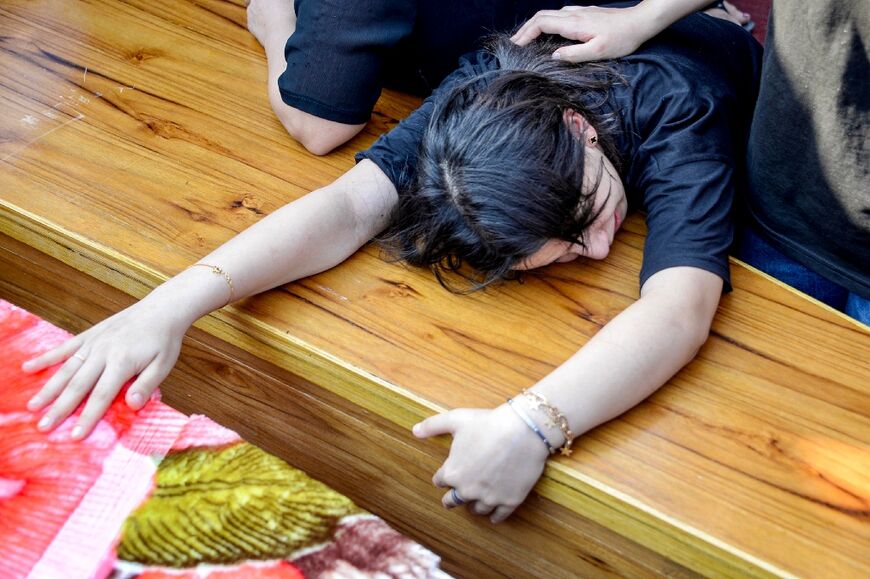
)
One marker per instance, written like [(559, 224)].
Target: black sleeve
[(396, 151), (336, 56), (689, 219), (685, 172)]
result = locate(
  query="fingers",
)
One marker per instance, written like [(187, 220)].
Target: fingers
[(501, 513), (730, 13), (549, 22), (75, 386), (445, 423), (439, 479), (452, 499), (150, 378), (76, 379), (526, 33), (481, 508), (101, 398), (497, 513), (529, 30), (58, 381), (737, 14), (53, 356), (561, 26), (107, 389), (592, 50)]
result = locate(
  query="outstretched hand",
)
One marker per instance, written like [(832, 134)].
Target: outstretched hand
[(137, 343), (494, 460), (604, 33)]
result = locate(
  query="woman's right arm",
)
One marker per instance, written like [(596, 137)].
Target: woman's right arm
[(310, 235)]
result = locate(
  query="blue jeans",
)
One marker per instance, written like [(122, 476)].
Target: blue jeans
[(757, 252)]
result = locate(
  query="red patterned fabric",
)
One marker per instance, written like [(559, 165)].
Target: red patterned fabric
[(63, 503)]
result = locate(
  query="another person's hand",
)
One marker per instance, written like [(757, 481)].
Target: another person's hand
[(730, 12), (604, 33), (142, 341), (494, 461)]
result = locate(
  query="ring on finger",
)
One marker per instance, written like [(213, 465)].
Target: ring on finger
[(454, 496)]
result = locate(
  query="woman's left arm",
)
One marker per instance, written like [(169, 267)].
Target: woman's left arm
[(495, 458)]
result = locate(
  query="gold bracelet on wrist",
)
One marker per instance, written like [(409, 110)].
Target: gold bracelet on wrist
[(554, 418), (218, 271)]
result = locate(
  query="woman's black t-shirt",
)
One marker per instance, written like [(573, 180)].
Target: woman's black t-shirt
[(685, 109)]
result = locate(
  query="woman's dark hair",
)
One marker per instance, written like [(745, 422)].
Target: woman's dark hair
[(499, 170)]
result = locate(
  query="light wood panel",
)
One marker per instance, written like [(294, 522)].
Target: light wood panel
[(754, 459)]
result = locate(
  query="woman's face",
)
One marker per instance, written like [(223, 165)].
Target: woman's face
[(610, 205)]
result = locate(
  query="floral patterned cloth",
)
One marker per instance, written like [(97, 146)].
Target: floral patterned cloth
[(155, 493)]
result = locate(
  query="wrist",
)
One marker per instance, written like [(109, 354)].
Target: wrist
[(651, 17), (550, 431), (524, 433), (187, 297), (646, 21)]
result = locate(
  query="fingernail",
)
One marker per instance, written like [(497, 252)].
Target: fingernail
[(77, 432), (557, 56), (136, 399), (44, 423), (416, 429), (33, 404)]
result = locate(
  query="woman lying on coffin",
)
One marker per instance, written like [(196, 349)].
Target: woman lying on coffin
[(517, 161)]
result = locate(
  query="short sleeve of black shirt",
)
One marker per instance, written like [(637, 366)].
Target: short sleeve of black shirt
[(337, 55), (395, 152), (685, 176), (686, 111)]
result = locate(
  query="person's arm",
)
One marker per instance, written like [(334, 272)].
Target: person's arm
[(613, 32), (495, 458), (305, 237)]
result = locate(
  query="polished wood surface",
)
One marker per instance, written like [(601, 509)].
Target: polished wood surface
[(136, 136)]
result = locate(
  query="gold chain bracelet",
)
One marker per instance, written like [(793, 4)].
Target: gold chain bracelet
[(554, 418), (218, 271)]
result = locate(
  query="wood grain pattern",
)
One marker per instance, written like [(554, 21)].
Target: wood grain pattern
[(136, 136)]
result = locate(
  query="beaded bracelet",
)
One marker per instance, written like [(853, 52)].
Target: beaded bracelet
[(218, 271), (531, 424), (554, 416)]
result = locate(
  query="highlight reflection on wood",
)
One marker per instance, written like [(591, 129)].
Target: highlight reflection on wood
[(136, 136)]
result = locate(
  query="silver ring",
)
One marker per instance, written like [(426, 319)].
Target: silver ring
[(78, 356), (454, 496)]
